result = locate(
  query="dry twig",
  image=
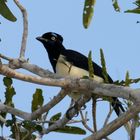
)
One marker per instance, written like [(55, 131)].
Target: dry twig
[(25, 29)]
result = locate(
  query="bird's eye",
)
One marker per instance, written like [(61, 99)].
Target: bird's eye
[(53, 38)]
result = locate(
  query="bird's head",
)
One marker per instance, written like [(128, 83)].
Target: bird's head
[(53, 44), (50, 39)]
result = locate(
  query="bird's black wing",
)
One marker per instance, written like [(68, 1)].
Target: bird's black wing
[(79, 60)]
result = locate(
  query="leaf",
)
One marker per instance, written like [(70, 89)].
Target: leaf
[(29, 125), (37, 100), (88, 12), (5, 11), (104, 71), (90, 65), (9, 93), (55, 117), (39, 128), (127, 79), (7, 81), (71, 130), (116, 6), (135, 11), (66, 129), (137, 2)]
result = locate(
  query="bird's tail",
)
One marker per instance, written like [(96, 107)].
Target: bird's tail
[(117, 105)]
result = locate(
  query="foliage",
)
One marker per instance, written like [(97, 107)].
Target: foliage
[(5, 11), (103, 63), (136, 10), (9, 93), (38, 100), (66, 129), (90, 65), (116, 5), (88, 12)]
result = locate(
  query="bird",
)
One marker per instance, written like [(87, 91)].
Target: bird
[(67, 62)]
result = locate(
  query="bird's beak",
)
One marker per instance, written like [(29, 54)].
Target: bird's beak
[(41, 39)]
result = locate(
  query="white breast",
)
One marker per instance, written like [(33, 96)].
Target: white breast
[(65, 68)]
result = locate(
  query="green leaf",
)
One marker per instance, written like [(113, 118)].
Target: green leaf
[(103, 63), (38, 100), (71, 130), (10, 91), (39, 128), (135, 11), (9, 122), (56, 117), (88, 12), (115, 5), (127, 79), (7, 81), (5, 11), (137, 2), (90, 65), (29, 125)]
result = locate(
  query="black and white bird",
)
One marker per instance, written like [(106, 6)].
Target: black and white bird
[(69, 62)]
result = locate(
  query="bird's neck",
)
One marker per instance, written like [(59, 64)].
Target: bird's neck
[(53, 55)]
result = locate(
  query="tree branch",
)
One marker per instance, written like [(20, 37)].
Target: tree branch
[(14, 111), (77, 84), (62, 122), (115, 124), (35, 114), (25, 29)]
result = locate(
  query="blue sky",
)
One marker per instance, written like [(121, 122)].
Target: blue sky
[(116, 33)]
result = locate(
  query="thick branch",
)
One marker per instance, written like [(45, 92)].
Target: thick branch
[(25, 29), (89, 86)]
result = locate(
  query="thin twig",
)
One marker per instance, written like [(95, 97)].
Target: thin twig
[(3, 120), (84, 122), (71, 113), (70, 122), (108, 116), (115, 124), (77, 121), (94, 113), (25, 29), (133, 128), (5, 57)]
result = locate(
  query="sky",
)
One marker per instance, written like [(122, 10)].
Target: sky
[(116, 33)]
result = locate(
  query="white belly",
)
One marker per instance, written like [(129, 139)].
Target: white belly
[(64, 68)]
